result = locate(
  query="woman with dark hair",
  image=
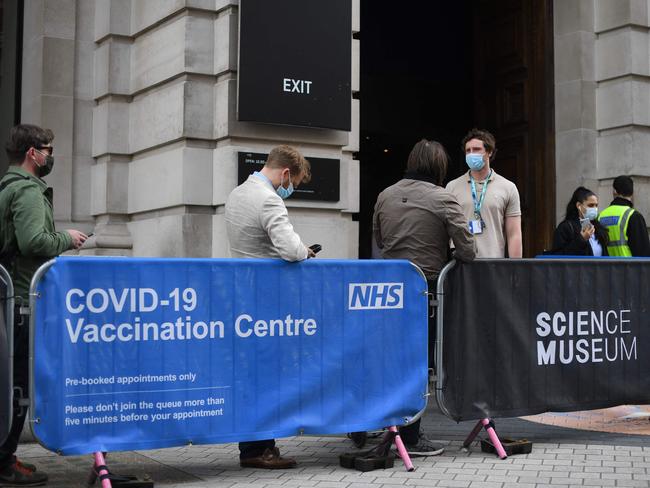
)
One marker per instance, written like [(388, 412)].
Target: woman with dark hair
[(580, 233)]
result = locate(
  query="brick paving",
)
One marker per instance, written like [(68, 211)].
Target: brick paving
[(561, 458)]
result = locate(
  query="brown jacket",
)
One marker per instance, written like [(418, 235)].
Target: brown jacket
[(415, 219)]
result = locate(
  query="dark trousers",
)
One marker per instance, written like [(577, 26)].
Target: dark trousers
[(21, 380), (410, 433), (253, 449)]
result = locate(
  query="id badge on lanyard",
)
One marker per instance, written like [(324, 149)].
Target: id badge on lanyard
[(477, 226)]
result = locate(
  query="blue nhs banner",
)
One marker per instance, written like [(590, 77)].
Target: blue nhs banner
[(374, 296), (148, 353)]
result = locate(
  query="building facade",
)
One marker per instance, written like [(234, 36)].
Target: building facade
[(142, 97), (602, 97)]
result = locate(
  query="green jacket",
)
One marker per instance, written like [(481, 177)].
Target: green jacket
[(27, 235)]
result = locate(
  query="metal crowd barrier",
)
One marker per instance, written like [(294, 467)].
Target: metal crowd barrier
[(130, 353), (6, 352), (525, 336)]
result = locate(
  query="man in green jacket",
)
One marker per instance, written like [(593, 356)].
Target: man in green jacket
[(27, 240)]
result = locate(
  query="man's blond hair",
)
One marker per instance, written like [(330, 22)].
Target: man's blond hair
[(289, 157)]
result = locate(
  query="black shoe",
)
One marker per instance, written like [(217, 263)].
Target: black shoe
[(424, 447), (18, 475)]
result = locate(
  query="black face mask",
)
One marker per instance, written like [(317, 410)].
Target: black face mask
[(46, 169)]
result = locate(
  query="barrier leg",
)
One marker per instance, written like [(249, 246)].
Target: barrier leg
[(472, 435), (494, 438), (401, 450), (100, 470)]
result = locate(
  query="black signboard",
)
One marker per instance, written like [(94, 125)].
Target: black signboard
[(324, 184), (295, 59)]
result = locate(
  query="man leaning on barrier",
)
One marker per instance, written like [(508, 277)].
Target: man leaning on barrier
[(258, 226), (27, 240), (414, 219)]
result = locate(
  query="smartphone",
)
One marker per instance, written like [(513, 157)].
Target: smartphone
[(315, 248), (585, 224)]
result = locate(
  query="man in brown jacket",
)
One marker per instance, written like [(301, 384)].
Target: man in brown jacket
[(414, 219)]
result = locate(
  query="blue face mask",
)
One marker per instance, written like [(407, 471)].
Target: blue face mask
[(475, 161), (591, 213), (283, 192)]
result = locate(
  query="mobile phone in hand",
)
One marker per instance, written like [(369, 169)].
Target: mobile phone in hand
[(585, 224), (315, 248)]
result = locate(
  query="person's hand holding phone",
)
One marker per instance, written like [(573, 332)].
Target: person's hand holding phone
[(587, 229), (313, 249)]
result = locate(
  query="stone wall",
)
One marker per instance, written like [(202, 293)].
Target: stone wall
[(142, 96), (57, 93), (602, 97)]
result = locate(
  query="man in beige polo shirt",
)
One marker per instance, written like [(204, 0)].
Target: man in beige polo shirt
[(489, 201)]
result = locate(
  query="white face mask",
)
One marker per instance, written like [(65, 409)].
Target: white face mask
[(591, 213)]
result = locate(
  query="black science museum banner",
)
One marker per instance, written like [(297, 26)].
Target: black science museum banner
[(527, 336), (295, 62)]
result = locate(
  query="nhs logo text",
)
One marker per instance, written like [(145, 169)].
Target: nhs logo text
[(374, 296)]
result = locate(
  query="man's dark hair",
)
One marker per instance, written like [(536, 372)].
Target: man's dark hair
[(428, 158), (580, 195), (624, 186), (489, 142), (24, 136)]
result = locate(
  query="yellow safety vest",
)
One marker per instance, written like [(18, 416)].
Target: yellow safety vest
[(615, 219)]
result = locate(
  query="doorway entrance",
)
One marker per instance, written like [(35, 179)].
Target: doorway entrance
[(436, 70)]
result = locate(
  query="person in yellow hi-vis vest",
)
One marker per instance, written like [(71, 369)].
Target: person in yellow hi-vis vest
[(628, 233)]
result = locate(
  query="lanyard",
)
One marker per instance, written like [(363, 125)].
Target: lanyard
[(478, 204)]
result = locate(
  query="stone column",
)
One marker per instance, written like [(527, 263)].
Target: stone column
[(602, 97), (575, 98), (623, 97), (110, 128), (56, 93)]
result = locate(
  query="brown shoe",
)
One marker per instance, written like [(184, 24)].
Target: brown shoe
[(16, 475), (270, 459), (22, 464)]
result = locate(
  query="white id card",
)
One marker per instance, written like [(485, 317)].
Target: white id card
[(475, 227)]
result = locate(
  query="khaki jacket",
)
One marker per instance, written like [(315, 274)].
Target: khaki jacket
[(415, 219)]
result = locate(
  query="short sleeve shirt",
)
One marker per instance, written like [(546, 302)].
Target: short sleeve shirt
[(501, 201)]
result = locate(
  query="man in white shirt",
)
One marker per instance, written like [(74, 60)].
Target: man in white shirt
[(257, 223), (489, 201)]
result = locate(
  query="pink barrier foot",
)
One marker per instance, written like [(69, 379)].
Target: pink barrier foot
[(101, 470), (494, 438), (401, 450)]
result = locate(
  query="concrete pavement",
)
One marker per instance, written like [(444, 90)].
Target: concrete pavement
[(561, 458)]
